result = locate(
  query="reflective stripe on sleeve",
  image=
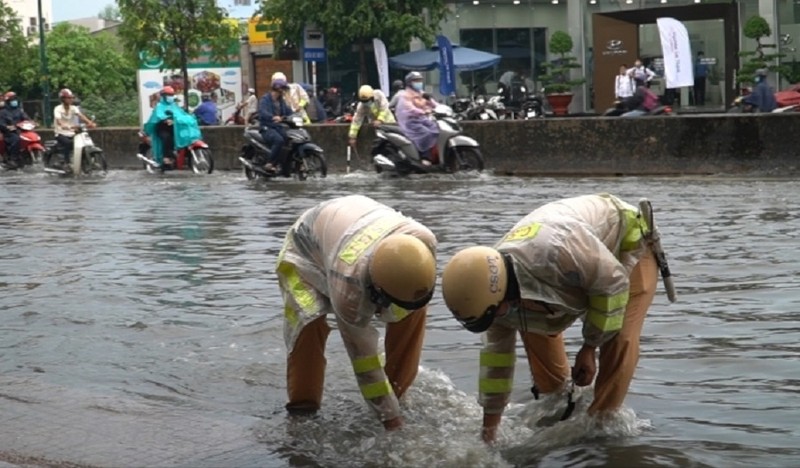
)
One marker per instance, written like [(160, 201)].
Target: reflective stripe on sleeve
[(605, 322), (366, 364), (609, 303), (377, 389), (497, 359), (301, 294), (495, 385)]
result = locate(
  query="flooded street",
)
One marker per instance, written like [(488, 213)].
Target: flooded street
[(142, 326)]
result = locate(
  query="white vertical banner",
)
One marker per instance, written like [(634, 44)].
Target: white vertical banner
[(382, 60), (678, 65)]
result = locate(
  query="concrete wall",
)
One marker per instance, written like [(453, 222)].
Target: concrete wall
[(733, 144)]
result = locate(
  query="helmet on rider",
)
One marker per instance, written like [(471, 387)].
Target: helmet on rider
[(397, 85), (412, 77), (251, 91), (279, 84), (9, 96), (366, 93), (65, 93), (402, 271), (474, 283), (167, 91)]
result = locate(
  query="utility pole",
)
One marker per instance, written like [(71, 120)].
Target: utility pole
[(45, 71)]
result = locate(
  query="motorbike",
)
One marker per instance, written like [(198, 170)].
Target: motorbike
[(305, 158), (196, 157), (86, 158), (620, 108), (739, 106), (478, 109), (31, 149), (235, 118), (532, 107), (393, 153)]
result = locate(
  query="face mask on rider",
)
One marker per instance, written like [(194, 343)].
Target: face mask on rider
[(13, 103), (170, 99), (417, 85)]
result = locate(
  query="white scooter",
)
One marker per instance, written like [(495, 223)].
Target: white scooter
[(395, 154), (86, 157)]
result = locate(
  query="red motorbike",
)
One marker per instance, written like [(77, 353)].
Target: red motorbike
[(196, 157), (31, 148)]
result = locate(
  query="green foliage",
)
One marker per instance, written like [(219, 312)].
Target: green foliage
[(348, 22), (557, 79), (110, 13), (87, 64), (178, 31), (14, 46), (757, 28), (113, 111)]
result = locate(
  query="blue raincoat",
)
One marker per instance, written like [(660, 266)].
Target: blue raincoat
[(184, 127)]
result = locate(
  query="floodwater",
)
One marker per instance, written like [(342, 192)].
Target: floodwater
[(142, 327)]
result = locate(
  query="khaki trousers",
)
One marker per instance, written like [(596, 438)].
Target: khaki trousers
[(619, 356), (305, 365)]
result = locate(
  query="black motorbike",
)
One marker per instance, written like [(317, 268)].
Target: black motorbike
[(305, 158)]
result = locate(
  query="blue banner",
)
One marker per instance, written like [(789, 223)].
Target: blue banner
[(447, 70)]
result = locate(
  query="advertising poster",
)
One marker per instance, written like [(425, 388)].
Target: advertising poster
[(221, 81)]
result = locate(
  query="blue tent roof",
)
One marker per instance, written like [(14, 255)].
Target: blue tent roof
[(464, 59)]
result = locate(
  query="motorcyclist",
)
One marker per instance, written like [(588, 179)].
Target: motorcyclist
[(372, 107), (762, 99), (271, 111), (295, 96), (397, 86), (169, 127), (66, 117), (314, 108), (10, 116), (413, 109), (249, 105), (206, 112), (643, 101)]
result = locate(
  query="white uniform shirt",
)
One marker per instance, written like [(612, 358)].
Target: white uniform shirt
[(66, 120)]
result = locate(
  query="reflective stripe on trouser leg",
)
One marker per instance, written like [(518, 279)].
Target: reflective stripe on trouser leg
[(547, 360), (403, 350), (620, 355), (305, 366)]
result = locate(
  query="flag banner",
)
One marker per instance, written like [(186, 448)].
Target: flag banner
[(447, 70), (382, 60), (678, 66)]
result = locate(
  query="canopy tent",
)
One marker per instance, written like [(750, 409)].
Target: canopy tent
[(464, 59)]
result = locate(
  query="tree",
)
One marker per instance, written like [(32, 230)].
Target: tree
[(177, 31), (87, 64), (110, 13), (348, 22), (15, 47), (757, 28)]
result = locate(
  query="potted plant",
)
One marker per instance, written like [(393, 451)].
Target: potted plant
[(757, 28), (557, 82)]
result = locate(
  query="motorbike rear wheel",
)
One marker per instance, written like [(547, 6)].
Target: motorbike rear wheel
[(466, 159), (202, 162), (312, 165)]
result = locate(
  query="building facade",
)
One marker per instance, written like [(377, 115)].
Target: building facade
[(606, 34), (28, 15)]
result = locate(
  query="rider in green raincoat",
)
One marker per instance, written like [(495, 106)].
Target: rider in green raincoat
[(170, 127)]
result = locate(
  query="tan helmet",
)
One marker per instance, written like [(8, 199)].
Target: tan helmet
[(402, 270), (366, 93), (473, 282)]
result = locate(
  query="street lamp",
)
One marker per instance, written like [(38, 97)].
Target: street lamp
[(45, 72)]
